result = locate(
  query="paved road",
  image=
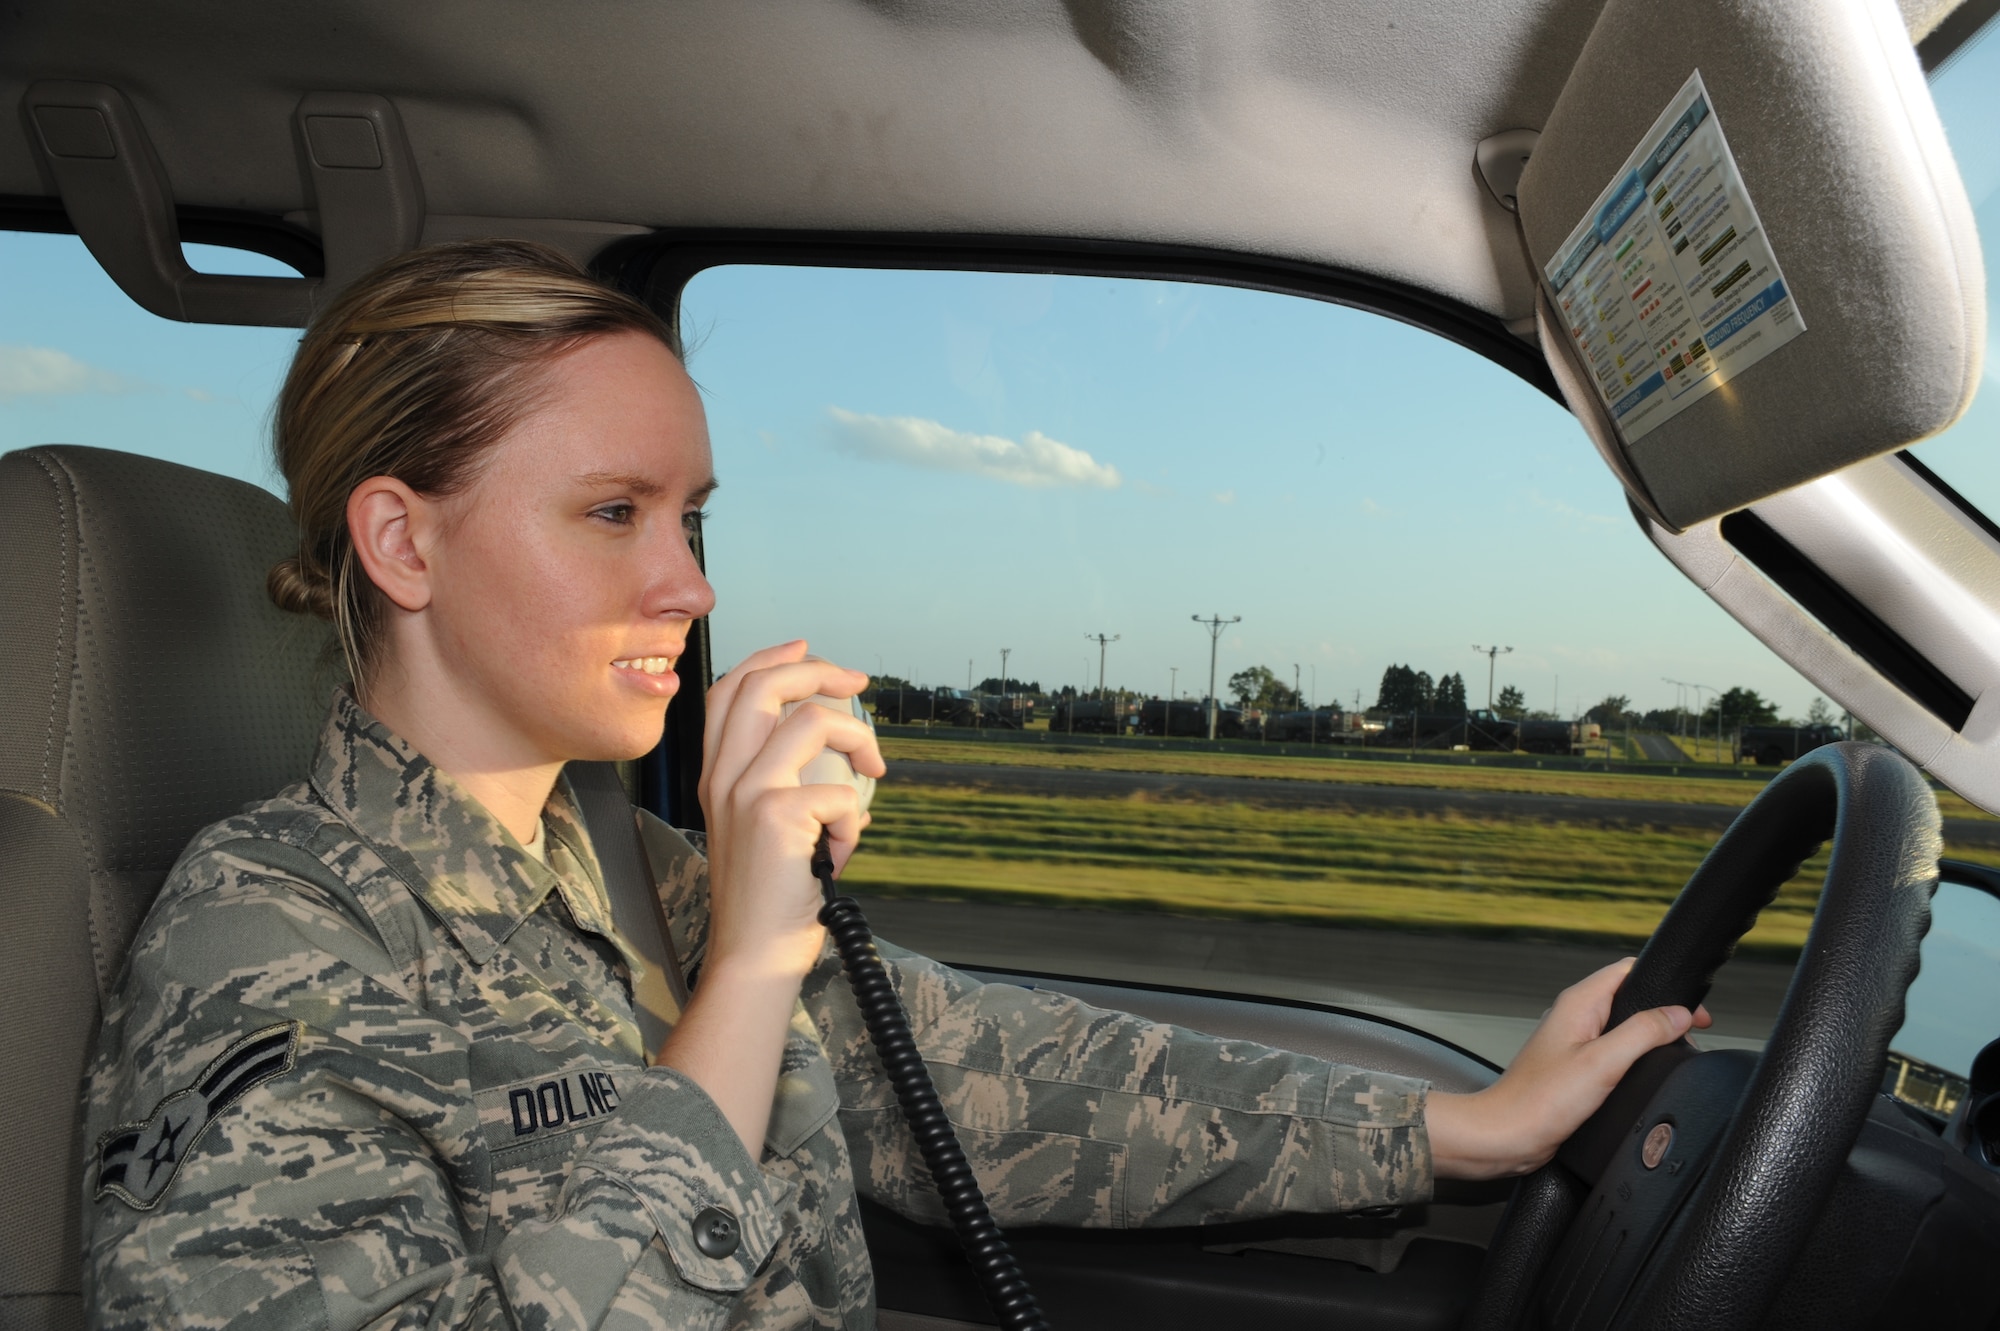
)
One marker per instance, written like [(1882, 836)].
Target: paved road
[(1484, 994), (1281, 793), (1660, 749)]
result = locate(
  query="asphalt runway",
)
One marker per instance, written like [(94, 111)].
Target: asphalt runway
[(1482, 994), (1660, 749), (1340, 795)]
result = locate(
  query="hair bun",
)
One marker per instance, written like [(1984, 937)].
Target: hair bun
[(293, 589)]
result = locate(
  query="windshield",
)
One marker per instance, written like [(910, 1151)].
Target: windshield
[(1470, 732)]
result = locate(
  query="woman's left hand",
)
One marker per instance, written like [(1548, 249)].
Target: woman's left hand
[(1560, 1077)]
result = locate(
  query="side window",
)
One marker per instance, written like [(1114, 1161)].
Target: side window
[(81, 364), (1474, 732), (1966, 89)]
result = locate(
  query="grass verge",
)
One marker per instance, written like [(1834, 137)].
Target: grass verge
[(1478, 877), (1529, 781)]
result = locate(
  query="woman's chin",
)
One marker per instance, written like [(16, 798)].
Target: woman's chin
[(625, 725)]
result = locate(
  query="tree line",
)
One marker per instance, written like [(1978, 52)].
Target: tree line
[(1404, 689)]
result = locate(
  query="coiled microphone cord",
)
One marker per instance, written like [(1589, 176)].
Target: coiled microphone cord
[(1000, 1278)]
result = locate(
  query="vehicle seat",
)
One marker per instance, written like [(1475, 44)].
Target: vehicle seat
[(147, 688)]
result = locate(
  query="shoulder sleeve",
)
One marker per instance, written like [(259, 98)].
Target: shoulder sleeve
[(281, 1134), (1073, 1115)]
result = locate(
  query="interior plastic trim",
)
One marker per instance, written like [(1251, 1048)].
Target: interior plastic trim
[(1955, 33), (657, 268), (1967, 759), (1847, 618), (258, 233)]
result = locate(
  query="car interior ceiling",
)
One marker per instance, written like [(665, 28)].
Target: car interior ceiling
[(1309, 149)]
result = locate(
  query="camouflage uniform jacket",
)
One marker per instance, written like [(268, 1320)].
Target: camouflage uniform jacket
[(372, 1064)]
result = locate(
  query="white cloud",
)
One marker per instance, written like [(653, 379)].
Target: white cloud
[(26, 371), (1224, 497), (1565, 511), (1034, 460)]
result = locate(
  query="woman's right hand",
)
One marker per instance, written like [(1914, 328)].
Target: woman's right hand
[(762, 824)]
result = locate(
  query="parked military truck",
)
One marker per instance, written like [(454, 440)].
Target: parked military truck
[(916, 707), (1012, 712), (1480, 731), (1556, 737), (1303, 727), (1180, 717), (1769, 746), (1087, 716)]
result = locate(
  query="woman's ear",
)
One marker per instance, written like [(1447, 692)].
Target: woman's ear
[(390, 524)]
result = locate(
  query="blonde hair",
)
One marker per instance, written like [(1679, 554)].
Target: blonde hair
[(415, 372)]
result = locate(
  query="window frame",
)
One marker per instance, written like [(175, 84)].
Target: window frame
[(230, 228), (657, 268)]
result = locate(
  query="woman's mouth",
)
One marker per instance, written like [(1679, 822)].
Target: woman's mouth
[(646, 665)]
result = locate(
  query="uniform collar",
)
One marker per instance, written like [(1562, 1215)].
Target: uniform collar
[(453, 854)]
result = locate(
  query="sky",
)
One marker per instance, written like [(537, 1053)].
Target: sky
[(921, 469)]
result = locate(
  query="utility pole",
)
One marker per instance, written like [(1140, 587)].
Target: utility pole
[(1103, 641), (1214, 624), (1173, 683), (1003, 677), (1296, 695), (1312, 708), (1490, 653)]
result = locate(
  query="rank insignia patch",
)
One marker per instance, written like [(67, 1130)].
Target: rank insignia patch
[(136, 1161)]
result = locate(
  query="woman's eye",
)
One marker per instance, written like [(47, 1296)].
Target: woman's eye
[(691, 522), (618, 513)]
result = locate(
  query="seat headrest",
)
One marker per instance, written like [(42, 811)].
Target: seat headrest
[(147, 685)]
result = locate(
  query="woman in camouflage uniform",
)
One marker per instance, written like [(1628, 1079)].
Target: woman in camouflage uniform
[(374, 1059)]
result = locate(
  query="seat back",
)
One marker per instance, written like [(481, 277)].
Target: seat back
[(147, 688)]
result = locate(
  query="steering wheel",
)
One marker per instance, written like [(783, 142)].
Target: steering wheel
[(1706, 1171)]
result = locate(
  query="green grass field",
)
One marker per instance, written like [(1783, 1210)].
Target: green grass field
[(1472, 876), (1437, 776)]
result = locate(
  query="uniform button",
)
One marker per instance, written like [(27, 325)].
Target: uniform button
[(716, 1232)]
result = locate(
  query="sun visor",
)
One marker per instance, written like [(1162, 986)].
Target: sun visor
[(1757, 260)]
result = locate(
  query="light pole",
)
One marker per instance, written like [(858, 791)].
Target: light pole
[(1214, 624), (1103, 641), (1699, 709), (1680, 702), (1491, 653), (1003, 677), (1173, 682), (1312, 708)]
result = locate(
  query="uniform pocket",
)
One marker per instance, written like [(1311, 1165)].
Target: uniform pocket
[(271, 1287)]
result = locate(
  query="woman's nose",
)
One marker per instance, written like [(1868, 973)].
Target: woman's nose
[(680, 585)]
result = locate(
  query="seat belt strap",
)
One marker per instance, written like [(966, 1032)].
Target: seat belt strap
[(659, 991)]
